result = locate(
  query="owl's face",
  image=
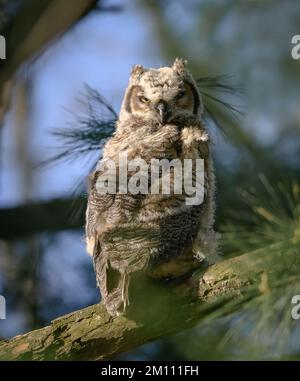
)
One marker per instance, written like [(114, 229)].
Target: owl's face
[(162, 95)]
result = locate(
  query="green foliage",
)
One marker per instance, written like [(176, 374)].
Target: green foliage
[(89, 132), (259, 325), (271, 216)]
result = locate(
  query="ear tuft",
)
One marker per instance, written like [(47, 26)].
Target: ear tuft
[(137, 71), (179, 65)]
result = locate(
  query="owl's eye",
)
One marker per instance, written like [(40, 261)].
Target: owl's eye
[(143, 99), (180, 95)]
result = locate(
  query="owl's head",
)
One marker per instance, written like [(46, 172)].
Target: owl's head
[(162, 95)]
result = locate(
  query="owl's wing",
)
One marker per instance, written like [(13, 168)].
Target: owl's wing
[(106, 276), (112, 246), (97, 205), (119, 256), (113, 284)]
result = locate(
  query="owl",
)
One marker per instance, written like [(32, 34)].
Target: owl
[(159, 236)]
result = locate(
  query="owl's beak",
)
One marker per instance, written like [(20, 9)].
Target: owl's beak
[(163, 112)]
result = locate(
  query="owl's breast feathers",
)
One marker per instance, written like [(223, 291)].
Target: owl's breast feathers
[(150, 233)]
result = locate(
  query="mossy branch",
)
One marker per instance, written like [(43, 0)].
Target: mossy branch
[(91, 334)]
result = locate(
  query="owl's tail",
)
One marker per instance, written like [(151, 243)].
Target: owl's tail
[(117, 299), (113, 283)]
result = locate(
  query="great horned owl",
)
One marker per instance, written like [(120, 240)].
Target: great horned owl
[(157, 235)]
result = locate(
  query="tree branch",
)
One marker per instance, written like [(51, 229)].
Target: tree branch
[(51, 216), (35, 25), (91, 334)]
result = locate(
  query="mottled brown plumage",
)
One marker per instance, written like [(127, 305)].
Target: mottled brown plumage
[(152, 234)]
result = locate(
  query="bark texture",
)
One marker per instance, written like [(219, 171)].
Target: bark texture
[(91, 334)]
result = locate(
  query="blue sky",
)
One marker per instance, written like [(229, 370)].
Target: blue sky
[(98, 51)]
